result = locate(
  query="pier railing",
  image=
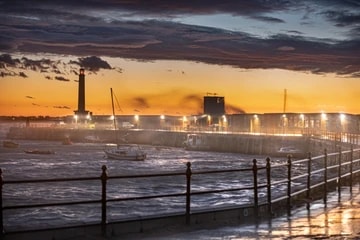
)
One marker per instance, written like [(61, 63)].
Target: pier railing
[(261, 180)]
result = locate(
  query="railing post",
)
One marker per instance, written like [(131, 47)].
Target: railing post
[(268, 178), (188, 192), (1, 204), (289, 184), (339, 170), (308, 181), (325, 174), (351, 166), (104, 177), (256, 199)]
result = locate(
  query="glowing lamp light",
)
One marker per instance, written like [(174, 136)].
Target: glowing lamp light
[(342, 117), (323, 116)]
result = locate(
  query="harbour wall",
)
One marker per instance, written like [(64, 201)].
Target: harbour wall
[(217, 141)]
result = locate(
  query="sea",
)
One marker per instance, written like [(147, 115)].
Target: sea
[(86, 160)]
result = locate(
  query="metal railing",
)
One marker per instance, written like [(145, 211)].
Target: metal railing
[(301, 177)]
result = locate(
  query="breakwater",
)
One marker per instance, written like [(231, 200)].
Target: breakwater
[(217, 141)]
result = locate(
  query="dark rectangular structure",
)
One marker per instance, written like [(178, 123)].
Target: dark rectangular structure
[(214, 105)]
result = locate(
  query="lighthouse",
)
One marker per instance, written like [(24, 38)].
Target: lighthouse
[(81, 113)]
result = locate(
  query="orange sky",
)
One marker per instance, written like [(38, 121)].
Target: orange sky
[(162, 57), (177, 88)]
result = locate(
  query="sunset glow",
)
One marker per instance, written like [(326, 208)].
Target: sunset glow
[(164, 62)]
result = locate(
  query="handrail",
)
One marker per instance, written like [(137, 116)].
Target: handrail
[(322, 165)]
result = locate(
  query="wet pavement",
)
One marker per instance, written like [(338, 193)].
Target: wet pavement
[(339, 218)]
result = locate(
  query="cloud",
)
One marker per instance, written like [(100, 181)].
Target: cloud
[(8, 62), (6, 59), (192, 101), (343, 18), (231, 109), (140, 103), (60, 78), (61, 107), (22, 74), (92, 63), (30, 97), (96, 31), (268, 19), (286, 48)]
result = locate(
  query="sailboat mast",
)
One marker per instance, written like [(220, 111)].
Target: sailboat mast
[(113, 109), (285, 93)]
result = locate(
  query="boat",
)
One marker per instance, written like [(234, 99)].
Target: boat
[(123, 151), (10, 144), (294, 152), (36, 151), (196, 142)]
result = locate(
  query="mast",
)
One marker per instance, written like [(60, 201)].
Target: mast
[(113, 109), (285, 93)]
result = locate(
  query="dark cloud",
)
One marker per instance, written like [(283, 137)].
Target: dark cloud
[(43, 65), (140, 103), (92, 63), (30, 97), (7, 73), (22, 74), (193, 101), (6, 59), (268, 19), (61, 107), (230, 109), (82, 34), (60, 78), (343, 18)]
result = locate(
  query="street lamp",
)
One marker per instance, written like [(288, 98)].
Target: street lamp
[(184, 121), (136, 118), (162, 120)]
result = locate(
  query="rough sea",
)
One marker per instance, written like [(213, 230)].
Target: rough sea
[(87, 159)]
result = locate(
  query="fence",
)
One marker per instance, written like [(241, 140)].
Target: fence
[(301, 178)]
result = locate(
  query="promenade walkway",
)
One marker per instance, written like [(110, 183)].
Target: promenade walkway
[(338, 219)]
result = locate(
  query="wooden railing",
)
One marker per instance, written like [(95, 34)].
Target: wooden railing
[(309, 173)]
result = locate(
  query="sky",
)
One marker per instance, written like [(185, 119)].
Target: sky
[(163, 57)]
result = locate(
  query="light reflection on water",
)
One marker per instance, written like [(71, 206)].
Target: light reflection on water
[(86, 160)]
